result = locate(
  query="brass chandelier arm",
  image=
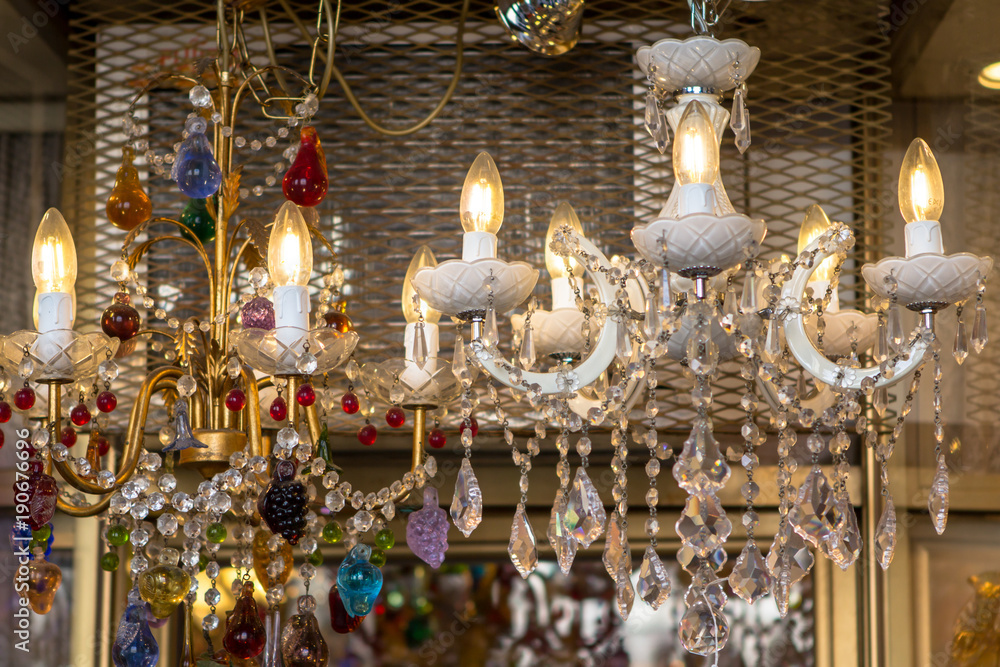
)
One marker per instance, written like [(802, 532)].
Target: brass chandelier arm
[(254, 436), (157, 80), (269, 46), (144, 247)]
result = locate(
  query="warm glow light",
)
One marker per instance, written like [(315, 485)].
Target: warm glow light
[(814, 224), (564, 216), (696, 148), (53, 256), (921, 190), (989, 76), (423, 257), (482, 197), (289, 250)]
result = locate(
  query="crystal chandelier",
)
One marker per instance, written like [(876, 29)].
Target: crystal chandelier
[(589, 362)]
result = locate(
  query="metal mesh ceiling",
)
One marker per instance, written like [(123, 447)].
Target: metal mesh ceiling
[(559, 128)]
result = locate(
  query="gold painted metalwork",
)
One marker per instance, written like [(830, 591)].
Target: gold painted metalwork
[(215, 457)]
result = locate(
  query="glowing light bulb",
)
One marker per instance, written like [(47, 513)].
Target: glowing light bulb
[(696, 148), (921, 189), (556, 265), (482, 197), (289, 250), (814, 224), (53, 256), (423, 257)]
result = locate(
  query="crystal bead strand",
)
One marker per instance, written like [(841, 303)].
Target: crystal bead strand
[(654, 582), (467, 503), (617, 556), (937, 502), (522, 547), (980, 334)]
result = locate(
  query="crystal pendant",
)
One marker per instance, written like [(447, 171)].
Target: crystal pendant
[(743, 134), (198, 221), (651, 318), (616, 551), (881, 352), (880, 400), (560, 537), (458, 359), (654, 582), (245, 635), (134, 644), (798, 558), (128, 206), (467, 503), (894, 327), (748, 300), (736, 118), (750, 578), (772, 341), (885, 535), (585, 515), (937, 502), (701, 467), (419, 345), (305, 183), (844, 546), (490, 334), (302, 643), (197, 173), (358, 581), (652, 117), (624, 593), (272, 647), (661, 137), (526, 354), (164, 585), (781, 592), (816, 514), (703, 524), (961, 349), (623, 345), (427, 530), (521, 547), (703, 630), (980, 336)]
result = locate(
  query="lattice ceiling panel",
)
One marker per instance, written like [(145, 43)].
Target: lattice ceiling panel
[(559, 128)]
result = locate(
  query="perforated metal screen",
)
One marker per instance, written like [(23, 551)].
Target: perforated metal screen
[(559, 128)]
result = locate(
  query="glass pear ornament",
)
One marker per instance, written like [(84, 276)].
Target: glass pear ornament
[(245, 636), (128, 206), (164, 585), (358, 581), (306, 181), (302, 643), (134, 644), (197, 173), (44, 579)]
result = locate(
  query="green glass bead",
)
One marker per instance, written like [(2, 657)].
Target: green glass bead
[(43, 533), (216, 533), (315, 558), (385, 539), (378, 558), (109, 562), (117, 535), (196, 218), (36, 544), (332, 532), (202, 563)]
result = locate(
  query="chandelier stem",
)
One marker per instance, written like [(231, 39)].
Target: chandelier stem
[(419, 430), (928, 314), (477, 329), (700, 287), (55, 410)]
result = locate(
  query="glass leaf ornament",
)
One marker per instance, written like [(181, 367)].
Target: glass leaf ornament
[(750, 578), (134, 644), (43, 492), (521, 548), (198, 220), (282, 505), (585, 515), (264, 558), (701, 467), (44, 579), (121, 320), (128, 206), (358, 581), (467, 503), (341, 620), (164, 585), (564, 544), (427, 530), (306, 181), (302, 643), (624, 593), (937, 502), (182, 427), (654, 582), (197, 173), (245, 635)]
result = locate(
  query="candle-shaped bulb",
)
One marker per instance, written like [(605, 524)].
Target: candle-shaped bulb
[(814, 224), (696, 148), (556, 265), (289, 250), (423, 257), (53, 256), (921, 190), (482, 197)]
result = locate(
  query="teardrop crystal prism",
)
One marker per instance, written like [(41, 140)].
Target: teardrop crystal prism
[(703, 524), (666, 293), (624, 593), (772, 341), (894, 327), (980, 335), (816, 514), (652, 116), (881, 352), (526, 353), (880, 400), (654, 582), (743, 134), (748, 300), (661, 137), (458, 358), (701, 467), (736, 118), (467, 503), (419, 345), (797, 560), (885, 534), (564, 544), (703, 630), (651, 317), (585, 515), (490, 334), (623, 347), (616, 549), (844, 546), (750, 578), (937, 502), (521, 548), (961, 348)]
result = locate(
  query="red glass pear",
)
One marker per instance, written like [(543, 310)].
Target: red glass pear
[(245, 635), (306, 182)]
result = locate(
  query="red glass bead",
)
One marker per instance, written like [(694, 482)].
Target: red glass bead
[(367, 435), (24, 398), (36, 467), (68, 436), (395, 417), (5, 412), (102, 445), (80, 415), (279, 409), (306, 182), (106, 401), (350, 403), (245, 635), (340, 620), (474, 424), (236, 400), (1, 439), (306, 395), (436, 438), (120, 320)]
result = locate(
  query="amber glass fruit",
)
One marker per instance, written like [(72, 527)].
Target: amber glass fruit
[(44, 579), (120, 320), (245, 635), (128, 206), (262, 557), (164, 585)]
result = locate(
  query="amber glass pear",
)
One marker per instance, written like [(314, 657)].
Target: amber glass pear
[(262, 557), (164, 585), (44, 579), (245, 635), (128, 206), (302, 644)]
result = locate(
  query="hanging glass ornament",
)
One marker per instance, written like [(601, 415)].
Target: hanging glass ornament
[(282, 505), (197, 173), (43, 580), (245, 636), (427, 530), (306, 182), (128, 206), (164, 585), (121, 320), (43, 492), (358, 581), (337, 318), (258, 313), (467, 502), (341, 621), (302, 644), (134, 644), (198, 220), (272, 567), (182, 427)]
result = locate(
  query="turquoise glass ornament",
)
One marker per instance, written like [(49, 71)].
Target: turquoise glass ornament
[(197, 219), (197, 173), (134, 644), (358, 581)]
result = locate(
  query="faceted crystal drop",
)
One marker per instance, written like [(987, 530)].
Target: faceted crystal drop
[(467, 503), (703, 630), (844, 547), (894, 327), (750, 578), (798, 558), (245, 635), (306, 182), (666, 293), (772, 341), (490, 334), (937, 502), (128, 206), (881, 344), (585, 515), (651, 319), (522, 549), (420, 346), (623, 346), (427, 530), (743, 134), (880, 400), (527, 355), (748, 300), (616, 551), (198, 220), (560, 537), (781, 591), (703, 525), (961, 349), (654, 582), (736, 119), (197, 173), (272, 648), (980, 336), (458, 359), (652, 116), (816, 514), (701, 467), (134, 644), (624, 593), (661, 137), (885, 535)]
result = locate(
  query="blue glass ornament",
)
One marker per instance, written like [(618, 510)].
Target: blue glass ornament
[(134, 643), (358, 581), (197, 173)]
